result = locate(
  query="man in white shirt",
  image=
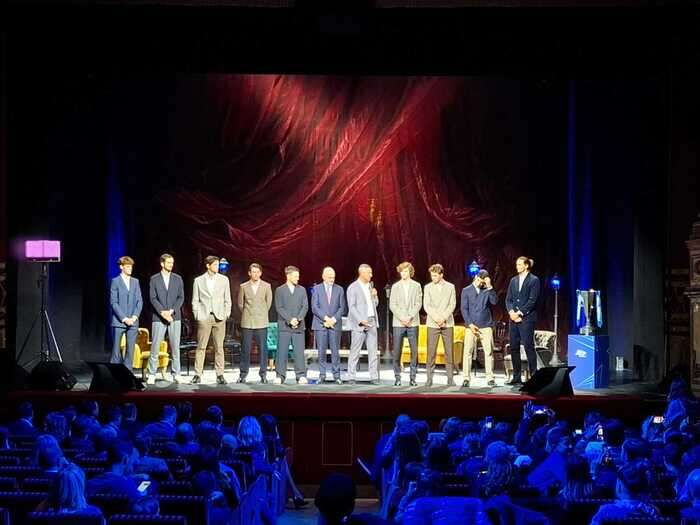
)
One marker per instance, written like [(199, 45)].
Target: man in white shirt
[(363, 319)]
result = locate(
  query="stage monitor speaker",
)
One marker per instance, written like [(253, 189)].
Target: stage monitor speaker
[(550, 382), (50, 375), (113, 378)]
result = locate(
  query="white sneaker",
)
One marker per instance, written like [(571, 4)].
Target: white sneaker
[(277, 380), (303, 381), (151, 380), (176, 378)]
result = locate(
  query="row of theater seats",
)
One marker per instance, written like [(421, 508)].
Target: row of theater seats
[(22, 489)]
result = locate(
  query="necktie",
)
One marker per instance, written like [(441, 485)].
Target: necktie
[(328, 293)]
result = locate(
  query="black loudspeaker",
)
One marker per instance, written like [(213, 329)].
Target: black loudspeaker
[(550, 382), (113, 378), (50, 375)]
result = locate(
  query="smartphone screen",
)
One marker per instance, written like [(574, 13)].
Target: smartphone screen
[(143, 487), (578, 431), (601, 434), (658, 420)]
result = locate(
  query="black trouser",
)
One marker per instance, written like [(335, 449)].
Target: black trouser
[(298, 342), (411, 333), (523, 333), (247, 335)]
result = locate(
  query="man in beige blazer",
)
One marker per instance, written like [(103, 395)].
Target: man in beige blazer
[(254, 301), (405, 300), (439, 302), (211, 307)]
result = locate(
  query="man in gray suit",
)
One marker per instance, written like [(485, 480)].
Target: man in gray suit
[(211, 307), (254, 301), (363, 321), (439, 302), (405, 301), (126, 302), (291, 304), (167, 294)]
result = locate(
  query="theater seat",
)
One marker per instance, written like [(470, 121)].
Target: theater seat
[(110, 504), (194, 508), (141, 519), (55, 518), (20, 503)]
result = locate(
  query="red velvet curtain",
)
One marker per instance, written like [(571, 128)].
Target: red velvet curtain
[(330, 170)]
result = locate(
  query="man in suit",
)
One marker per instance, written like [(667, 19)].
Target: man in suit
[(476, 302), (405, 300), (211, 307), (291, 304), (167, 293), (328, 307), (364, 321), (439, 302), (254, 301), (521, 302), (126, 302)]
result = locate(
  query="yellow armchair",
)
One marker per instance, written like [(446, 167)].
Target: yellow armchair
[(143, 341), (457, 347)]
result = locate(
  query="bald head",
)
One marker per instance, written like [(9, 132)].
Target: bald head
[(364, 272)]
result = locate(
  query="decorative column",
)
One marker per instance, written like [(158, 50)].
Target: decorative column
[(693, 294)]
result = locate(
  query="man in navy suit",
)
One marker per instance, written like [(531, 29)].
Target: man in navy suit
[(167, 295), (476, 302), (126, 302), (522, 301), (291, 304), (328, 307)]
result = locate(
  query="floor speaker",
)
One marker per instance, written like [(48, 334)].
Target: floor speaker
[(113, 378), (50, 375), (550, 381)]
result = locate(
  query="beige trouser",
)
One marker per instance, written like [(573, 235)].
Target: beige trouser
[(205, 329), (486, 338)]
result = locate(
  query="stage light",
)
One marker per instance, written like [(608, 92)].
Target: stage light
[(555, 282), (42, 251), (473, 269), (223, 265)]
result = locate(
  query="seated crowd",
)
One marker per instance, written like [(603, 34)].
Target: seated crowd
[(80, 457), (540, 469)]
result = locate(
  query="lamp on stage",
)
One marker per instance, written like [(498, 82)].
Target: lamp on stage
[(223, 265), (555, 283), (473, 269)]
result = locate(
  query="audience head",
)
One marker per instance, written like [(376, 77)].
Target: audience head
[(268, 425), (184, 411), (335, 499), (143, 443), (146, 505), (81, 427), (249, 432), (55, 424), (422, 429), (558, 440), (229, 444), (634, 481), (42, 443), (104, 438), (67, 492), (692, 486), (614, 432), (90, 408), (452, 429), (120, 457), (184, 433), (214, 415), (578, 482), (407, 447), (206, 459), (169, 414), (438, 456), (114, 416), (500, 473), (402, 420), (50, 458), (25, 410), (129, 412), (635, 448)]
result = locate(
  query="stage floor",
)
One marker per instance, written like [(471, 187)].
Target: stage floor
[(621, 384)]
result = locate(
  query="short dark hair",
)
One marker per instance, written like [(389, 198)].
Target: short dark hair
[(290, 269), (210, 259), (526, 261), (255, 265), (165, 257)]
